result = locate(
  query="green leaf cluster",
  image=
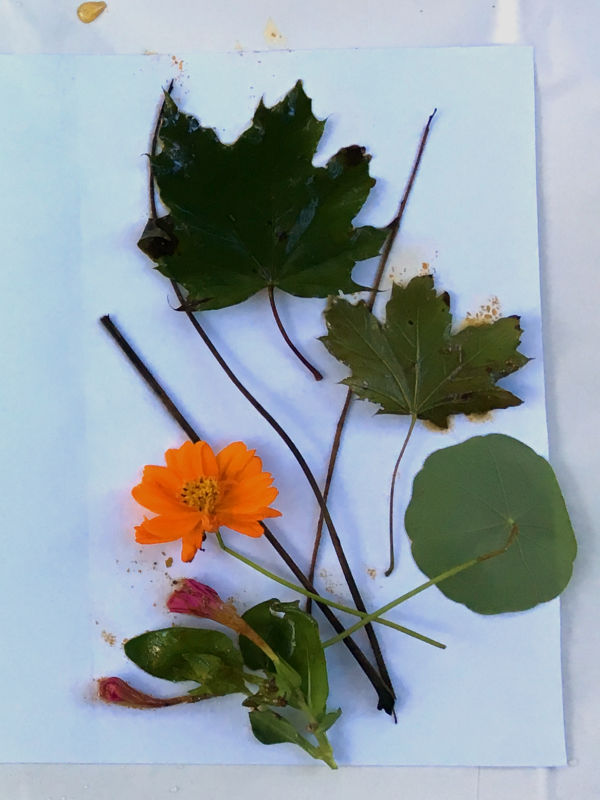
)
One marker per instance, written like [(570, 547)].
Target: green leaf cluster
[(298, 679), (257, 213)]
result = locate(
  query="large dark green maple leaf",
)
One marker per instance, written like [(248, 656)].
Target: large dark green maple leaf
[(257, 213), (414, 364)]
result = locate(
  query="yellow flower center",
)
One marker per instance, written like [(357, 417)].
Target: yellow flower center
[(201, 494)]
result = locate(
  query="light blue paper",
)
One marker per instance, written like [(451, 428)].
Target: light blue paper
[(80, 425)]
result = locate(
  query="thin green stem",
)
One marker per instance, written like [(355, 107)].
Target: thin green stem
[(413, 422), (324, 600), (449, 573)]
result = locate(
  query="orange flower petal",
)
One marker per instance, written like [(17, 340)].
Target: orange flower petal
[(248, 528), (169, 527), (267, 513), (248, 498), (236, 460), (205, 461), (143, 535), (192, 460), (162, 475), (190, 544), (159, 491)]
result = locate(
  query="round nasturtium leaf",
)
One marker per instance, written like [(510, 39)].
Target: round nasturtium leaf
[(466, 501)]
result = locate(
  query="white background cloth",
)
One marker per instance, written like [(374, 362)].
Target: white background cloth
[(568, 76)]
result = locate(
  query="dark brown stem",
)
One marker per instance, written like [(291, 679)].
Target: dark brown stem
[(148, 377), (394, 225), (328, 478), (385, 694), (348, 576), (313, 370), (337, 544), (413, 422), (394, 228)]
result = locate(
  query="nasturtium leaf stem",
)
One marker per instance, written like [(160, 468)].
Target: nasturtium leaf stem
[(411, 428), (394, 228), (313, 370), (384, 692), (449, 573), (319, 599)]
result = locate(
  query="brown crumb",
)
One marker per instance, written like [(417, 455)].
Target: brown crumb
[(109, 638), (169, 562), (486, 416), (177, 62), (372, 572), (486, 314)]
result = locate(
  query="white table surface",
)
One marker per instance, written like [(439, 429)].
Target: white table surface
[(568, 75)]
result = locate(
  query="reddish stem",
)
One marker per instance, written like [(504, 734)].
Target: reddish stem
[(313, 370), (394, 228)]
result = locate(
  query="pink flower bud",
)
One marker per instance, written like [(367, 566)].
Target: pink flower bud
[(198, 599), (115, 690), (118, 691), (192, 597)]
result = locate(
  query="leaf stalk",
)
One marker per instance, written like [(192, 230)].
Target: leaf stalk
[(312, 369), (449, 573), (411, 428), (318, 598)]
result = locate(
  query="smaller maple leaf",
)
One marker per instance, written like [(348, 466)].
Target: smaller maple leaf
[(414, 364)]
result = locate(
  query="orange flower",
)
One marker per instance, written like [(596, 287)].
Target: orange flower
[(197, 492)]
